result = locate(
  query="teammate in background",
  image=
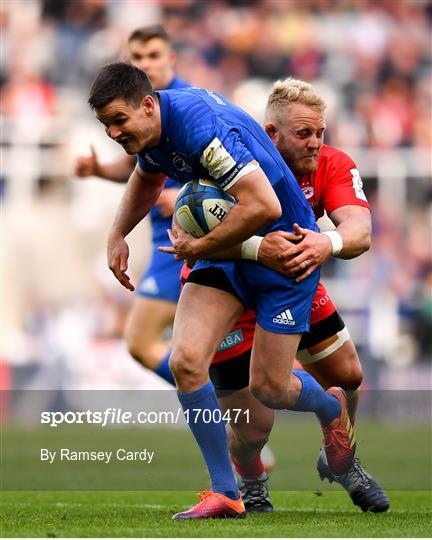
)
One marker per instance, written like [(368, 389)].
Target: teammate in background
[(331, 182), (154, 306), (196, 133)]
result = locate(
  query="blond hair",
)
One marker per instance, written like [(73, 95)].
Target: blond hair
[(292, 91)]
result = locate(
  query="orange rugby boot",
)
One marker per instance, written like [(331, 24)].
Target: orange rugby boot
[(214, 505), (339, 439)]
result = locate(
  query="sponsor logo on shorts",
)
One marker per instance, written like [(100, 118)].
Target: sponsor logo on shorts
[(149, 286), (317, 304), (231, 340), (284, 318)]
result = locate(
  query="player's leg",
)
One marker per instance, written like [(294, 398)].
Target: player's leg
[(248, 432), (339, 366), (147, 320), (329, 355), (273, 383), (203, 318), (332, 359), (250, 421)]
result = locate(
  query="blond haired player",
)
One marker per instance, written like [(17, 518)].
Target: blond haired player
[(331, 182)]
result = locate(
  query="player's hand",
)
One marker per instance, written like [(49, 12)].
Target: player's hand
[(183, 244), (117, 255), (166, 202), (271, 247), (87, 165), (302, 259)]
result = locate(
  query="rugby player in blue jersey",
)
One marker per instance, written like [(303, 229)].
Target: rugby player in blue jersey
[(196, 133), (154, 306)]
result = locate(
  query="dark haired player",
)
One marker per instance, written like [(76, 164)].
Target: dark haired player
[(196, 133), (154, 306)]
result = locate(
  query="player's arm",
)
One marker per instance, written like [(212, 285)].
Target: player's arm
[(142, 191), (346, 205), (282, 252), (354, 225), (116, 171), (176, 233), (351, 238), (257, 206)]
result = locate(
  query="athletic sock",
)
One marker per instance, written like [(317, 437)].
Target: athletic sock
[(313, 398), (211, 437), (163, 369), (251, 470)]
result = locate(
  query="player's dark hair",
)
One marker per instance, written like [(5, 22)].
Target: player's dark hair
[(146, 33), (119, 80)]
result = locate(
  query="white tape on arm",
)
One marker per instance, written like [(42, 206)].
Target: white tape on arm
[(250, 248), (336, 241)]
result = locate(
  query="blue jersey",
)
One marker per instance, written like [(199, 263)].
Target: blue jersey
[(161, 280), (161, 224), (205, 136)]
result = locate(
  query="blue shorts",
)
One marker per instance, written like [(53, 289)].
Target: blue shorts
[(282, 306), (161, 280)]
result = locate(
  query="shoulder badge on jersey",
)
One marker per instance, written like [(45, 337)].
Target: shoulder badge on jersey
[(216, 159)]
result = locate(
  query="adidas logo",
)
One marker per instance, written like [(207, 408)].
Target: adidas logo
[(149, 286), (284, 318)]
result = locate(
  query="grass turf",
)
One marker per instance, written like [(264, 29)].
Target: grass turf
[(398, 455), (38, 501), (148, 514)]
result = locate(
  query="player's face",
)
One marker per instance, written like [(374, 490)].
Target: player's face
[(132, 127), (156, 58), (298, 135)]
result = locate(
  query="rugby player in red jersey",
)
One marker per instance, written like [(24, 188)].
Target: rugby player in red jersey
[(331, 182)]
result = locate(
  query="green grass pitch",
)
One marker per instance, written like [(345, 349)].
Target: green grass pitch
[(148, 514), (136, 500)]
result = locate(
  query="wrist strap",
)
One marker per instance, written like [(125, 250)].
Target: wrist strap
[(250, 248), (336, 241)]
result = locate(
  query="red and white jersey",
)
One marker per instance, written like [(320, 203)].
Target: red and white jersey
[(335, 183)]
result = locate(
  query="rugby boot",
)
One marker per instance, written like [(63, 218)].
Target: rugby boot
[(214, 505), (361, 487), (339, 439), (255, 493)]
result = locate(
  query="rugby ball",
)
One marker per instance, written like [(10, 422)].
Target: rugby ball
[(200, 206)]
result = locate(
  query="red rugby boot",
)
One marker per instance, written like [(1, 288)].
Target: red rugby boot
[(339, 439), (214, 505)]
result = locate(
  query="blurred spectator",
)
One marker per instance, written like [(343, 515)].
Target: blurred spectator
[(371, 60)]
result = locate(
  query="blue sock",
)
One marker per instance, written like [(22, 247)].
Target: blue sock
[(211, 437), (313, 398), (163, 369)]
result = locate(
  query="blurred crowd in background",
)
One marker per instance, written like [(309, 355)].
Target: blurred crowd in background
[(371, 60)]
